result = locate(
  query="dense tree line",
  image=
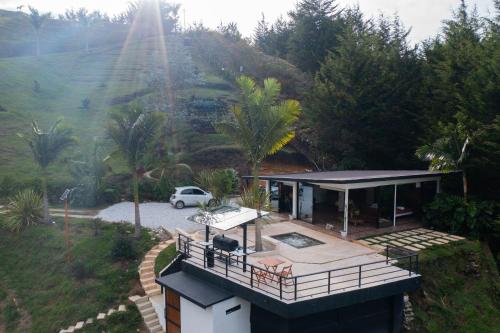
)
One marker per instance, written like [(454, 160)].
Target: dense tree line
[(376, 99)]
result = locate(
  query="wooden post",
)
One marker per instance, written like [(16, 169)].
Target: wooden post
[(244, 247), (66, 231)]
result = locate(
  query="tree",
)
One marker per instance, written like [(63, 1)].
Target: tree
[(37, 20), (132, 129), (46, 147), (85, 19), (449, 153), (363, 110), (315, 25), (262, 126)]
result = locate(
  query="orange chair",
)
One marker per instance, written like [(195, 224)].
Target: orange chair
[(285, 273), (261, 276)]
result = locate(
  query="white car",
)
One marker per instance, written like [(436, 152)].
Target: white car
[(191, 196)]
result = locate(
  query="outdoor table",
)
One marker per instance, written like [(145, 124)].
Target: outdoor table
[(239, 253), (271, 264)]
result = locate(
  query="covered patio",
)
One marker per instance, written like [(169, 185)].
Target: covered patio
[(354, 203)]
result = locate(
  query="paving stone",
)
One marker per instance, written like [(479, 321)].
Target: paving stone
[(426, 244), (378, 247), (122, 308), (420, 246), (433, 241), (111, 311), (70, 329), (89, 321), (364, 242), (134, 298), (389, 237), (396, 243), (411, 248), (405, 240), (101, 316), (79, 325), (413, 239), (442, 241)]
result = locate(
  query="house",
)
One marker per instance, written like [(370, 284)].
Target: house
[(353, 201), (304, 281)]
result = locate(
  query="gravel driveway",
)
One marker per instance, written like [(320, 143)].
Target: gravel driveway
[(153, 215)]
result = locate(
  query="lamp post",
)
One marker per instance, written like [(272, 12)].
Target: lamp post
[(66, 196)]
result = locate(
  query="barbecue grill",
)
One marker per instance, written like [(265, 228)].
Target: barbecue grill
[(225, 243)]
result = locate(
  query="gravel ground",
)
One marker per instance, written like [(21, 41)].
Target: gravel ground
[(153, 215)]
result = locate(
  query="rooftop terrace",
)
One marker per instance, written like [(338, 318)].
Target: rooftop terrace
[(332, 266)]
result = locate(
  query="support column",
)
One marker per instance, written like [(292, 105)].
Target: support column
[(346, 210), (245, 247), (295, 203), (395, 205), (438, 186), (207, 233), (268, 187)]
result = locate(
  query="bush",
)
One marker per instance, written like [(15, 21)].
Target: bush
[(220, 182), (80, 270), (450, 213), (25, 209), (123, 249)]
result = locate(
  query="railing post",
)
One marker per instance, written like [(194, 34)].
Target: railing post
[(281, 287), (410, 265), (251, 276), (295, 288), (226, 266), (179, 242), (329, 280), (387, 254), (205, 257), (359, 282)]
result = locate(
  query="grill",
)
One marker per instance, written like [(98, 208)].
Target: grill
[(225, 243)]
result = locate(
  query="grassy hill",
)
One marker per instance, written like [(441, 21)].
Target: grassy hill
[(188, 76)]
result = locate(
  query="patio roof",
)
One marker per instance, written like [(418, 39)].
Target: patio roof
[(352, 176), (226, 217)]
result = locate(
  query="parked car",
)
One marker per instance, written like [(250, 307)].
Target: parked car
[(191, 196)]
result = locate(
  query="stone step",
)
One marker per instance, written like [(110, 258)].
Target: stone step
[(144, 306), (70, 329), (156, 329), (142, 299), (150, 286), (148, 275), (111, 311), (150, 316), (101, 316), (155, 293), (79, 325), (148, 281), (122, 308), (89, 321), (153, 322), (147, 311)]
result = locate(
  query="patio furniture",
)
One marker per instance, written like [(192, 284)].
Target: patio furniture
[(271, 264), (261, 276), (286, 272)]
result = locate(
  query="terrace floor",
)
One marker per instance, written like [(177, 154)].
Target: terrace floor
[(339, 257)]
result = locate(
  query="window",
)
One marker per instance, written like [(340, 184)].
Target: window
[(187, 191), (198, 192)]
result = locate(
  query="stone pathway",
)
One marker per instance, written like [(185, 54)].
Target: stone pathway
[(413, 240), (147, 277), (101, 316)]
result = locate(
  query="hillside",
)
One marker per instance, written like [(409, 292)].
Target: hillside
[(188, 76)]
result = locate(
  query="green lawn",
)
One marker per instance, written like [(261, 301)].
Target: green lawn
[(460, 290), (52, 294), (164, 258)]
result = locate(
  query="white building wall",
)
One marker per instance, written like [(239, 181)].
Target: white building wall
[(214, 319), (195, 319), (306, 202), (234, 322)]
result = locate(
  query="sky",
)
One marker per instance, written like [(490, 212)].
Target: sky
[(424, 17)]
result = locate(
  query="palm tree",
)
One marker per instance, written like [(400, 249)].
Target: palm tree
[(46, 147), (448, 153), (262, 126), (132, 130), (37, 21)]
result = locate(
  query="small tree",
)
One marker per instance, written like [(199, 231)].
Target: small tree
[(37, 20), (46, 147), (25, 209), (448, 153), (85, 19), (132, 130), (262, 126)]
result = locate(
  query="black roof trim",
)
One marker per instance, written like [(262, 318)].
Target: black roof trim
[(202, 293)]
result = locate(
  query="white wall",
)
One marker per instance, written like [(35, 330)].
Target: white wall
[(195, 319), (234, 322)]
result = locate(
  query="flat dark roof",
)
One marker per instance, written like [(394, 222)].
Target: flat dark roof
[(352, 176), (202, 293)]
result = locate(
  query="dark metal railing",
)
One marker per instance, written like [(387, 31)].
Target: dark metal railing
[(398, 263)]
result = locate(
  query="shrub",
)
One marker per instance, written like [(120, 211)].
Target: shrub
[(80, 270), (220, 182), (85, 104), (450, 213), (123, 249), (25, 209)]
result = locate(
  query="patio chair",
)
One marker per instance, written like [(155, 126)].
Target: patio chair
[(261, 276), (285, 273)]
